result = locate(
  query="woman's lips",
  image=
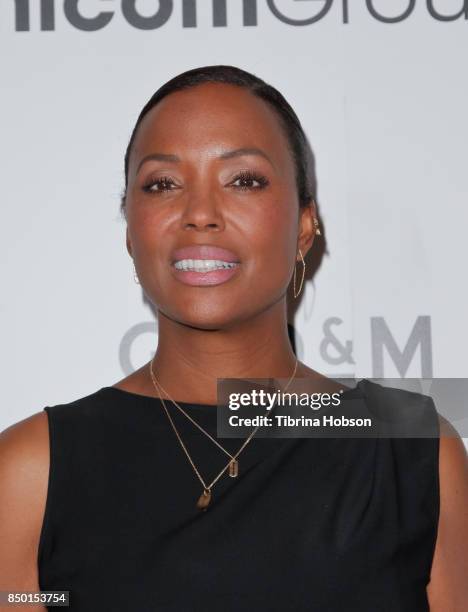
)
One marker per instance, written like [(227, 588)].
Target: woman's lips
[(203, 251), (201, 279)]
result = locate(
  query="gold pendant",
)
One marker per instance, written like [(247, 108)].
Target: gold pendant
[(204, 500), (233, 468)]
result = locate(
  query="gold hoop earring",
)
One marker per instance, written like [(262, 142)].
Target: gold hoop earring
[(302, 278), (135, 275)]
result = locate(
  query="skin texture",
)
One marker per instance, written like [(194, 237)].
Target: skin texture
[(237, 329)]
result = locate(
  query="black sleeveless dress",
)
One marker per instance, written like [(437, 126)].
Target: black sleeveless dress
[(319, 525)]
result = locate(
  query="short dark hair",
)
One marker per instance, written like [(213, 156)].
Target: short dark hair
[(241, 78)]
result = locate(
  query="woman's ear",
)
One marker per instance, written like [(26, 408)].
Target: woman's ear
[(307, 227), (129, 244)]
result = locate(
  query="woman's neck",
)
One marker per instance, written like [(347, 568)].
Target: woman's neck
[(188, 360)]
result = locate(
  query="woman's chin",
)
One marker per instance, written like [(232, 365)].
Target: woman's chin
[(205, 317), (208, 322)]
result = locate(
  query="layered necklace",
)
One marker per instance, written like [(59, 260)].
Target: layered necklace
[(233, 464)]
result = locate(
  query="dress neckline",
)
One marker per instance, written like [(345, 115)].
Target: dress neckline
[(130, 395), (151, 398)]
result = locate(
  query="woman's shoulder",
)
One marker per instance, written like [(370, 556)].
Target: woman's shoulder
[(453, 471), (24, 451), (448, 588), (24, 472), (82, 410)]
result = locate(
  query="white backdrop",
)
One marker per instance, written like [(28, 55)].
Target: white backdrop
[(381, 89)]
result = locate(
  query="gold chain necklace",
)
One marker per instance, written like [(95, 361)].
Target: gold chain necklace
[(233, 465)]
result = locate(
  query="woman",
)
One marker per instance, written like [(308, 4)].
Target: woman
[(135, 506)]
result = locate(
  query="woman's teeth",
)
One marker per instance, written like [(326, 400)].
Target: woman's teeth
[(203, 265)]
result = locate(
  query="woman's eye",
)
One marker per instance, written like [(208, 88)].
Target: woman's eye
[(157, 185), (249, 181)]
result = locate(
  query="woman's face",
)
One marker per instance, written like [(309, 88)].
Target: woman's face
[(211, 166)]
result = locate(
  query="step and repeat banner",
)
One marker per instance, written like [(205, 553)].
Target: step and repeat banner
[(381, 89)]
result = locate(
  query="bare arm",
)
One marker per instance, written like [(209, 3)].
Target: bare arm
[(448, 588), (24, 471)]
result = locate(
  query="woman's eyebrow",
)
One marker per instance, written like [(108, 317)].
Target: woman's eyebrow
[(165, 157), (169, 157), (245, 151)]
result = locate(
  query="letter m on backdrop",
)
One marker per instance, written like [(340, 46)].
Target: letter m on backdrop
[(420, 336)]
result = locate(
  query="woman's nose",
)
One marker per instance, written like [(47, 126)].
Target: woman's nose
[(202, 211)]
